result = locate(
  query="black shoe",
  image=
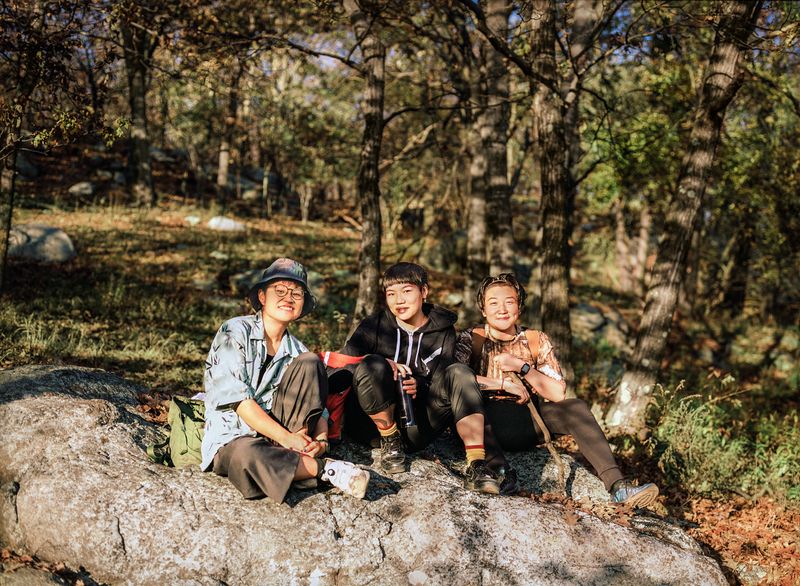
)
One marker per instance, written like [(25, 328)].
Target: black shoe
[(510, 483), (480, 478), (624, 491), (393, 456)]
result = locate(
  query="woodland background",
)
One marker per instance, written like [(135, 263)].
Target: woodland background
[(635, 162)]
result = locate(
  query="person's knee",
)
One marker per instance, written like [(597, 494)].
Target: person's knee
[(460, 380), (373, 366), (576, 407)]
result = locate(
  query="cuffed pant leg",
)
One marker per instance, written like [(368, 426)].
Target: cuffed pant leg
[(300, 397), (573, 417), (256, 467)]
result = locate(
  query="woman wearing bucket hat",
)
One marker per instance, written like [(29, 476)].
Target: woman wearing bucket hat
[(265, 396)]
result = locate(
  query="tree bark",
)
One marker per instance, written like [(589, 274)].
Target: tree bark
[(720, 83), (228, 136), (8, 175), (500, 252), (550, 135), (642, 245), (622, 248), (361, 14), (138, 46), (477, 265)]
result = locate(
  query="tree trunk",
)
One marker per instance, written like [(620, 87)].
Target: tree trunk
[(642, 245), (550, 135), (8, 175), (500, 252), (622, 248), (373, 64), (138, 47), (477, 265), (735, 273), (228, 137), (720, 84)]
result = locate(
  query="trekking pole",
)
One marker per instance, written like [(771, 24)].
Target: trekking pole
[(548, 439)]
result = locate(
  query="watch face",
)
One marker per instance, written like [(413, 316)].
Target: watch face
[(525, 368)]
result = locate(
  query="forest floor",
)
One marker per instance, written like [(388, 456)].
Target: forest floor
[(148, 289)]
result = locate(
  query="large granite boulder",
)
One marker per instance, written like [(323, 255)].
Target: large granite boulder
[(40, 243), (78, 488)]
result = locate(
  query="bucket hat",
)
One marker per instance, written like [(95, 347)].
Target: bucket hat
[(284, 269)]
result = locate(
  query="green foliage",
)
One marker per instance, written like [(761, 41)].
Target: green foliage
[(711, 445)]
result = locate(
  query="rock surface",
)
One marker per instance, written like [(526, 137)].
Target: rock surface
[(77, 487), (40, 243)]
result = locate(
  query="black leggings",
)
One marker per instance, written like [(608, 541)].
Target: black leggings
[(449, 398), (515, 430)]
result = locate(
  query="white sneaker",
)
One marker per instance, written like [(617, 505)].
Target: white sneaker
[(347, 477)]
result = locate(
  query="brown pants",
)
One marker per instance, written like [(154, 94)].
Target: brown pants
[(513, 428), (257, 466)]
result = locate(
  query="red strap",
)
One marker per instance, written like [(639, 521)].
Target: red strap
[(337, 359)]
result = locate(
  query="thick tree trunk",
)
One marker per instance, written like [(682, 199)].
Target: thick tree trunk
[(373, 64), (720, 84), (550, 134), (138, 48), (500, 250)]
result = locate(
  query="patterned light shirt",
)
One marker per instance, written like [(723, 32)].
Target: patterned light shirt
[(546, 361), (232, 370)]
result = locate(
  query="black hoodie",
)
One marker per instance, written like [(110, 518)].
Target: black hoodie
[(428, 351)]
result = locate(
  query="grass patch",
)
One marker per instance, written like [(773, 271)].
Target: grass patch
[(714, 443)]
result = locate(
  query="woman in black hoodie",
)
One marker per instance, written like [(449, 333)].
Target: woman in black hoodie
[(414, 341)]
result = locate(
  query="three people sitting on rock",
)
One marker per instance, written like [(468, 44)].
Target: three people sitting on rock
[(265, 394)]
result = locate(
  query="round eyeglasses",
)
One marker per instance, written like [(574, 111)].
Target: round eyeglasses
[(282, 291)]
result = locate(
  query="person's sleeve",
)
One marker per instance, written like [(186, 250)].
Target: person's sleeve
[(362, 341), (448, 349), (547, 363), (463, 349), (226, 379)]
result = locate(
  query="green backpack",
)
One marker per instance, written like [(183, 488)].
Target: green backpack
[(186, 420)]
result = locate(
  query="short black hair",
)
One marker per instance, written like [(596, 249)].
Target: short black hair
[(506, 279), (405, 272)]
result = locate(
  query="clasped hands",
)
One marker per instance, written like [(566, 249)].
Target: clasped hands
[(300, 441)]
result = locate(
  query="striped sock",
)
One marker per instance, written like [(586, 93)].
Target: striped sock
[(475, 452), (389, 431)]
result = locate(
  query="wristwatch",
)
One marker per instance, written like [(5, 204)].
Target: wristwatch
[(525, 369)]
